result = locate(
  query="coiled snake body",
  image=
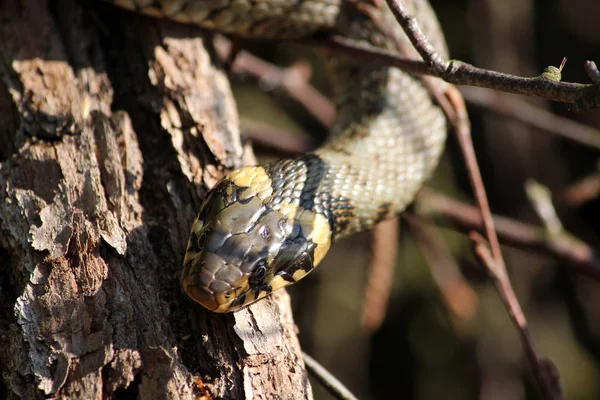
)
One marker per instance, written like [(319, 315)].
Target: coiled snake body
[(265, 227)]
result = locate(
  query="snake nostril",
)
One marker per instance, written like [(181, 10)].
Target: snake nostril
[(282, 224), (230, 274), (264, 232)]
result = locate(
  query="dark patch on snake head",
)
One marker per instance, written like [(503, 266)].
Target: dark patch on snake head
[(295, 260), (303, 263)]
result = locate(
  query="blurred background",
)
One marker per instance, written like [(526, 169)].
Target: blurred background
[(441, 341)]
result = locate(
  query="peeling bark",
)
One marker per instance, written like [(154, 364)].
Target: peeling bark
[(112, 126)]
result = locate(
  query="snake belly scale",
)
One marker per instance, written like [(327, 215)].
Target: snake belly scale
[(264, 227)]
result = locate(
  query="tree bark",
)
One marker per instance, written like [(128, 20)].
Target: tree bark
[(112, 127)]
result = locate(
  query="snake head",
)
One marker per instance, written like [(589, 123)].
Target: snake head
[(244, 244)]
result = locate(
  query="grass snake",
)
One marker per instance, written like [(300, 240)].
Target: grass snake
[(264, 227)]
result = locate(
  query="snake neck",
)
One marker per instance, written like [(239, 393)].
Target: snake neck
[(386, 141)]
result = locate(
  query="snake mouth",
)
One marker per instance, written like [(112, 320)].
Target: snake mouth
[(218, 286), (216, 295), (227, 300), (201, 296), (211, 281)]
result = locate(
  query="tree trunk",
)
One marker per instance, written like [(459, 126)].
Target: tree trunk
[(112, 126)]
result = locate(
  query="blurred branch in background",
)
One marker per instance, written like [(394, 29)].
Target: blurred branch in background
[(274, 138), (330, 382), (459, 296), (294, 80), (384, 249), (583, 190), (526, 113), (449, 212)]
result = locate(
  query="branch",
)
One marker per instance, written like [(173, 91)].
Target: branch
[(491, 256), (581, 96), (583, 190), (461, 126), (464, 217), (328, 381), (544, 369)]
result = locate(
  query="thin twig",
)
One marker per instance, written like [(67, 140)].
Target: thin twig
[(462, 129), (367, 52), (418, 39), (501, 281), (324, 377), (464, 217), (545, 371), (581, 96)]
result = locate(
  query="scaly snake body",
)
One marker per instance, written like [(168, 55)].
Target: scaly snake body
[(265, 227)]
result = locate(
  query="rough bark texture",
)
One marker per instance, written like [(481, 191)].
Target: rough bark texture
[(112, 126)]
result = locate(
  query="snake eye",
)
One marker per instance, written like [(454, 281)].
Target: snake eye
[(260, 271)]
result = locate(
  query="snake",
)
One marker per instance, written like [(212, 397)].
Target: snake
[(264, 227)]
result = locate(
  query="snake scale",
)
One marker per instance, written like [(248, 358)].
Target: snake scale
[(264, 227)]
